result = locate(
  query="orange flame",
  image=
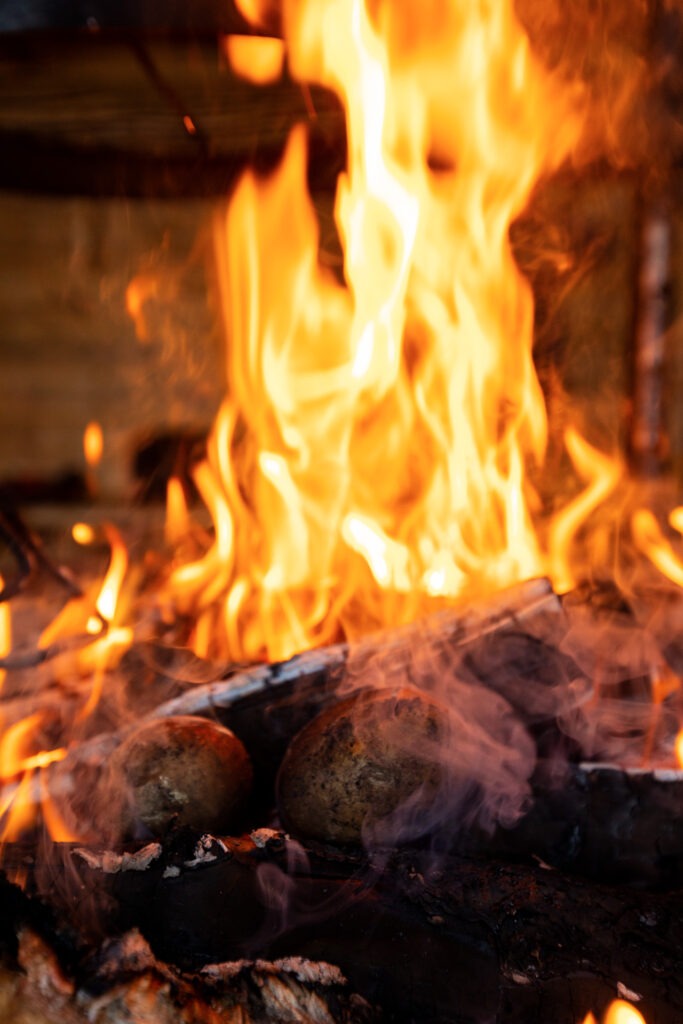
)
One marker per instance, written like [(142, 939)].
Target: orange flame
[(83, 533), (679, 748), (618, 1012), (621, 1012), (23, 794), (259, 59), (93, 444), (5, 633), (372, 455), (602, 475), (177, 518), (650, 540)]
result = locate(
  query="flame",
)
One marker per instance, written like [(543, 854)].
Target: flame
[(679, 748), (83, 533), (621, 1012), (618, 1012), (382, 421), (259, 59), (23, 793), (177, 518), (602, 474), (93, 444), (649, 539), (5, 632)]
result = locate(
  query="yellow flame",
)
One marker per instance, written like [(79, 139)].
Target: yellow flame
[(372, 455), (23, 793), (650, 540), (679, 748), (111, 585), (618, 1012), (93, 443), (602, 474), (177, 517), (83, 533), (621, 1012), (5, 633), (259, 59)]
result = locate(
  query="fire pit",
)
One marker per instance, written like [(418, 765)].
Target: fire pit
[(380, 717)]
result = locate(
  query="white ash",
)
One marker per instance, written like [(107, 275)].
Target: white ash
[(172, 871), (112, 863), (285, 999), (627, 993), (205, 851), (310, 972), (658, 774)]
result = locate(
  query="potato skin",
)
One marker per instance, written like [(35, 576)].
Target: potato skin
[(178, 771), (357, 762)]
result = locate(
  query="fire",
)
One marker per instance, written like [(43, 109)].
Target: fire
[(602, 475), (618, 1012), (260, 59), (23, 790), (383, 425), (93, 443), (5, 632), (649, 539)]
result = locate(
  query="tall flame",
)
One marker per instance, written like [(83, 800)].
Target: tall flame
[(383, 424)]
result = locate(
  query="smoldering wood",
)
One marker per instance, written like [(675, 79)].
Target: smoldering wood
[(424, 936), (123, 981)]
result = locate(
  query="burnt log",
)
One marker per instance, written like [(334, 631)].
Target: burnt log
[(426, 937)]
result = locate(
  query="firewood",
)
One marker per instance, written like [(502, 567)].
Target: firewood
[(428, 936)]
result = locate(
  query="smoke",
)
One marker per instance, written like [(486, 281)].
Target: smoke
[(485, 705)]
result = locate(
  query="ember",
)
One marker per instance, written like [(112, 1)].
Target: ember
[(391, 628)]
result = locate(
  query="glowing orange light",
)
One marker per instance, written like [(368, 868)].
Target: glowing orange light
[(650, 540), (621, 1012), (111, 585), (5, 632), (83, 533), (93, 443), (257, 12), (259, 59), (679, 749), (618, 1012), (601, 474), (177, 518), (190, 126), (57, 828)]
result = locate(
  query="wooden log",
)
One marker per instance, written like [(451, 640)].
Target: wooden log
[(522, 941)]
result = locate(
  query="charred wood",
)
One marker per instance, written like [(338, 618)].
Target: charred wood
[(427, 937)]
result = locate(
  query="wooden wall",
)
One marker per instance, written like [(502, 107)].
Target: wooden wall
[(68, 349)]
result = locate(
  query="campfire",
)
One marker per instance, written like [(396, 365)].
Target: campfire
[(384, 721)]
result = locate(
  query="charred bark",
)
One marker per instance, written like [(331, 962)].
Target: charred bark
[(426, 937)]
